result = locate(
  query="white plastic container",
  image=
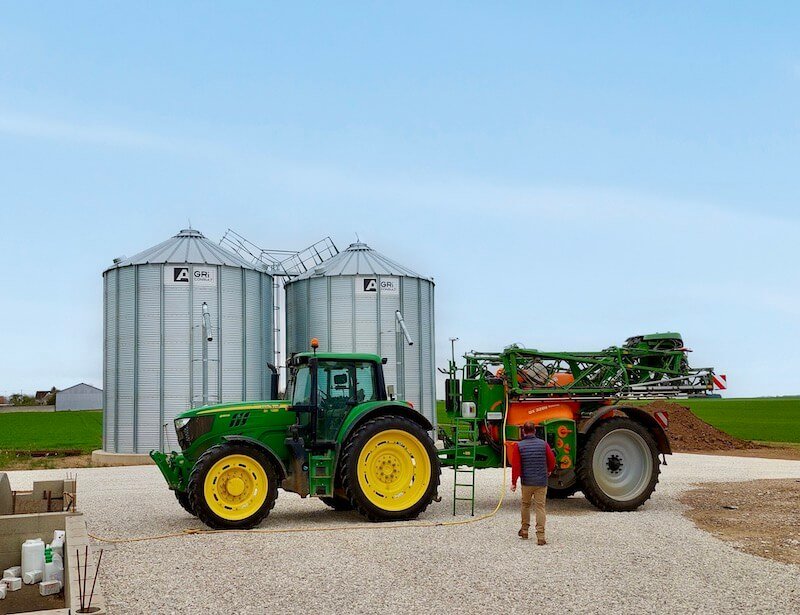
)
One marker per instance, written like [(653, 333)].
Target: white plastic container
[(32, 555), (469, 410), (49, 588), (54, 569), (34, 576), (13, 584), (58, 542), (14, 571), (3, 591)]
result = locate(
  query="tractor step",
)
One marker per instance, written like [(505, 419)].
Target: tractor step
[(320, 473)]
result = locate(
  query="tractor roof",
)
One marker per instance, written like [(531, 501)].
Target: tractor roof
[(340, 356)]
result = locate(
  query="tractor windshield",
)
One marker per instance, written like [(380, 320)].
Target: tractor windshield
[(301, 393)]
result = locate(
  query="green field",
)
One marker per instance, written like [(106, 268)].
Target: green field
[(764, 419), (51, 430)]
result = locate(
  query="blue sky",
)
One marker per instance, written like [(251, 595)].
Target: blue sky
[(569, 176)]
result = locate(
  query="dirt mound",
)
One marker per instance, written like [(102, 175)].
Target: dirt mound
[(689, 433)]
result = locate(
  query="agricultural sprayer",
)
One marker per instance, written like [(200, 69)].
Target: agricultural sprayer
[(585, 404)]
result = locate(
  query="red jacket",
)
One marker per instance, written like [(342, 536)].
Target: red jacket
[(516, 464)]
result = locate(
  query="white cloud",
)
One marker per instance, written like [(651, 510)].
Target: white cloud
[(37, 127)]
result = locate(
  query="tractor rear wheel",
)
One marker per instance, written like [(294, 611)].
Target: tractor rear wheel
[(233, 486), (390, 469), (618, 466), (338, 503), (185, 502)]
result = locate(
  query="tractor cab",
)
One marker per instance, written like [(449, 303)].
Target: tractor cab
[(324, 387)]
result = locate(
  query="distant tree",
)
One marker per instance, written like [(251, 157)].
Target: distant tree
[(50, 400), (20, 399)]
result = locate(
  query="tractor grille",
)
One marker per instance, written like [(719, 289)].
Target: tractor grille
[(239, 419), (195, 428)]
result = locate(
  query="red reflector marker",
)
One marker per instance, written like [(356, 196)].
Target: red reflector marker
[(662, 417)]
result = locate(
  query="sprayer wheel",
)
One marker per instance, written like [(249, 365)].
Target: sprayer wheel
[(338, 503), (559, 493), (618, 467)]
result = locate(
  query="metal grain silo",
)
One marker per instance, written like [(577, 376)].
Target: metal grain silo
[(152, 362), (358, 301)]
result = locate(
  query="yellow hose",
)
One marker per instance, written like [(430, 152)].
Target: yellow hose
[(342, 528)]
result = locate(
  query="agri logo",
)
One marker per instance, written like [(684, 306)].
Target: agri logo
[(180, 274), (374, 287), (186, 275)]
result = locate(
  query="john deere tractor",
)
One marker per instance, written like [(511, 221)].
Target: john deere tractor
[(337, 436)]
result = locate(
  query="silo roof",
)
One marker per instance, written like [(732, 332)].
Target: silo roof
[(188, 246), (359, 259)]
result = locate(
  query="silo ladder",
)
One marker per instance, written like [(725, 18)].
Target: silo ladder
[(466, 444)]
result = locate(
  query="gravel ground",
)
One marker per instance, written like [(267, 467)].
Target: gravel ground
[(652, 560)]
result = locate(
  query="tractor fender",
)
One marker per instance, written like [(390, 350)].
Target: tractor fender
[(370, 410), (279, 466), (639, 415)]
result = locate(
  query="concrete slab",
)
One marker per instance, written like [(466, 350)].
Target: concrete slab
[(103, 458)]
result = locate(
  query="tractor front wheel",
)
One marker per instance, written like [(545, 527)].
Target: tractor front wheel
[(233, 486), (618, 467), (185, 502), (390, 469)]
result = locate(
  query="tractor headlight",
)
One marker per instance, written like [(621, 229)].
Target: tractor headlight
[(189, 429)]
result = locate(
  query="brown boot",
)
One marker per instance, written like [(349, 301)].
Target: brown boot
[(523, 534), (541, 541)]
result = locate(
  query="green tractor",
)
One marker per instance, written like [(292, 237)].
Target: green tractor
[(337, 436)]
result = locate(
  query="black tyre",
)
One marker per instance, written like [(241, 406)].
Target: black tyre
[(390, 469), (618, 466), (338, 503), (233, 486), (561, 493), (185, 502)]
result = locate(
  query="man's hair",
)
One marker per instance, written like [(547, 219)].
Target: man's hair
[(529, 427)]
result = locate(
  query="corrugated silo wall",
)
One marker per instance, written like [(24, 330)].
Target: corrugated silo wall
[(153, 349), (344, 319)]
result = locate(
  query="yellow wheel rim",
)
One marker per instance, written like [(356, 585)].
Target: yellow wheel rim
[(236, 487), (394, 470)]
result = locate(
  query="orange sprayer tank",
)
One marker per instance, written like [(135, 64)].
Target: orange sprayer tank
[(519, 412), (542, 410)]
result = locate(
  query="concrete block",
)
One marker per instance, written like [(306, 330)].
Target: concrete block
[(102, 458)]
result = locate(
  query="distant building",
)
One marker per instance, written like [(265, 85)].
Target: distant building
[(80, 397), (3, 400), (41, 397)]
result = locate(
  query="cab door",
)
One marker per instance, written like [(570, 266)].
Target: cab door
[(342, 385)]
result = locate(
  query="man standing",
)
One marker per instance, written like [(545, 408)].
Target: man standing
[(532, 459)]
